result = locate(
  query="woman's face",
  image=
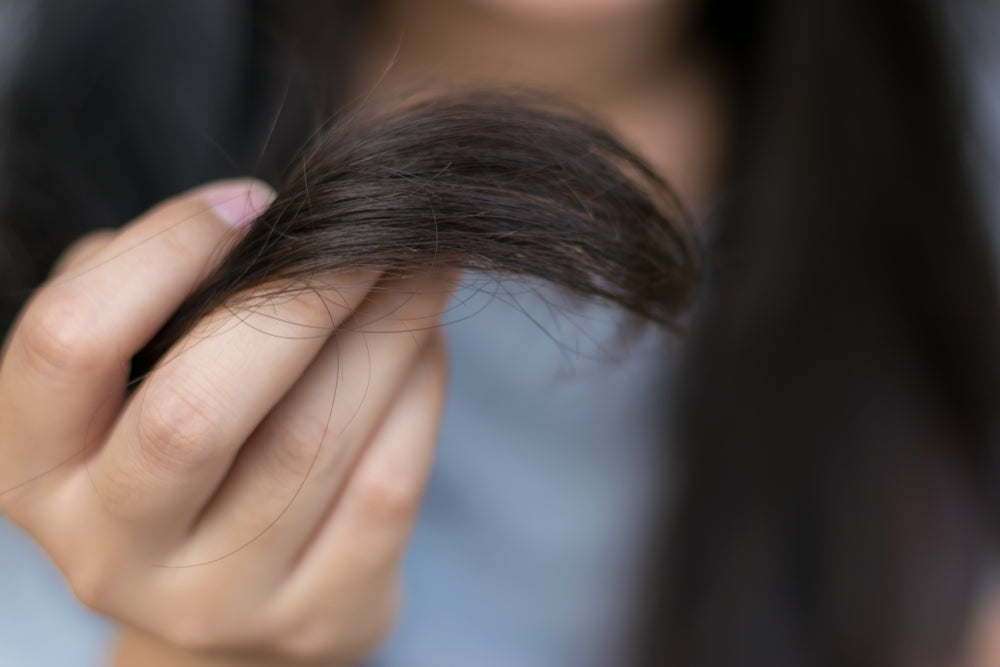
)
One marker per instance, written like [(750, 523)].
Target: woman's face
[(572, 11)]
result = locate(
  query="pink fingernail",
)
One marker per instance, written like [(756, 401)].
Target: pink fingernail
[(239, 204)]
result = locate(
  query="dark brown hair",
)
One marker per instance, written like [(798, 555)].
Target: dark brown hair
[(504, 182)]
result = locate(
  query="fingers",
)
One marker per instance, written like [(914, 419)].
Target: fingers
[(356, 552), (221, 422), (292, 468), (352, 605), (177, 437), (339, 598), (68, 355), (382, 496), (82, 250)]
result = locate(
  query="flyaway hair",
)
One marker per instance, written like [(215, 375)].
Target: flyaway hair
[(501, 182)]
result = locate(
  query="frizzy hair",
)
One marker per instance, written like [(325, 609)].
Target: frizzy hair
[(836, 450)]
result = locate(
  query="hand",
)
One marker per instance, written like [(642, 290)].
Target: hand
[(254, 494)]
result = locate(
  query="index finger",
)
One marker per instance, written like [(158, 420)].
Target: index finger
[(66, 363)]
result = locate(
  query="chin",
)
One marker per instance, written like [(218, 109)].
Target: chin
[(571, 11)]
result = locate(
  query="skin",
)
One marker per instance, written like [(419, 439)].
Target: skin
[(628, 65), (160, 506), (563, 12), (234, 513)]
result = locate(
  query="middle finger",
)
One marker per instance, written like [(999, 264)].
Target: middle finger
[(180, 431), (293, 466)]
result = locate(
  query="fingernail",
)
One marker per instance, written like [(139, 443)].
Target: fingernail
[(239, 204)]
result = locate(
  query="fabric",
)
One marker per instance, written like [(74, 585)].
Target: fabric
[(528, 545)]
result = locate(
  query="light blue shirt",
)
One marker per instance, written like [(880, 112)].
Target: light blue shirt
[(529, 547)]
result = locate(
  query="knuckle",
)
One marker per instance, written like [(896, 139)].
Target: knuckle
[(305, 311), (91, 583), (309, 306), (180, 246), (176, 237), (386, 494), (178, 426), (299, 444), (60, 335)]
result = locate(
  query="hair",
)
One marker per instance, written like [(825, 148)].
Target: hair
[(840, 395), (501, 182), (837, 402)]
